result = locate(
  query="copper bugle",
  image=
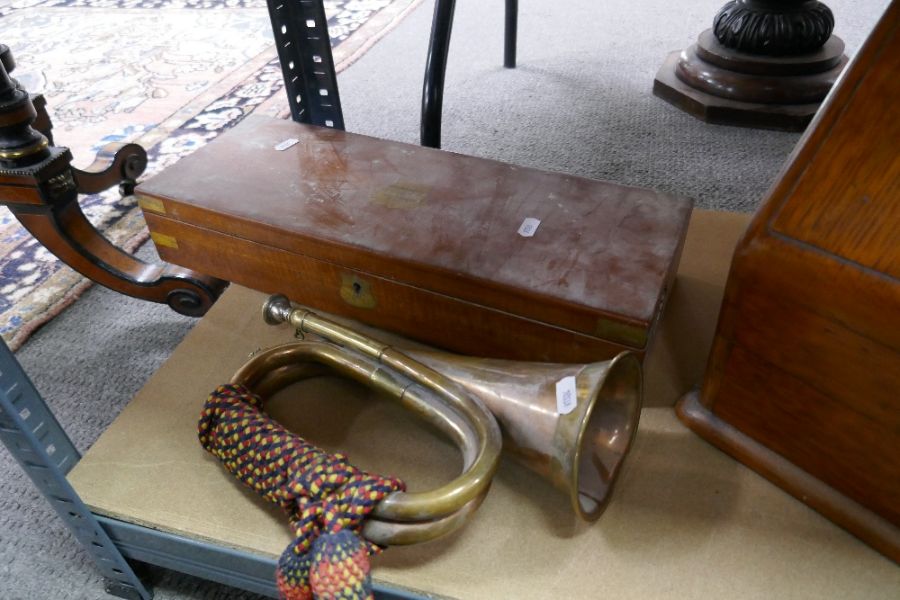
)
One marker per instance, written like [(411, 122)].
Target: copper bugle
[(581, 452)]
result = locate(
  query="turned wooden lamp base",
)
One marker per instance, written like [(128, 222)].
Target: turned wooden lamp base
[(728, 87)]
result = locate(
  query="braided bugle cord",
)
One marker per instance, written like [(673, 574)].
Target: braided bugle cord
[(326, 498)]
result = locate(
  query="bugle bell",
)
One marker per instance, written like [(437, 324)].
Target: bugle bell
[(580, 451)]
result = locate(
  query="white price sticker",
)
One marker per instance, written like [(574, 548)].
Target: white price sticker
[(566, 395), (286, 144), (529, 226)]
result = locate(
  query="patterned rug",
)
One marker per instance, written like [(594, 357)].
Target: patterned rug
[(168, 74)]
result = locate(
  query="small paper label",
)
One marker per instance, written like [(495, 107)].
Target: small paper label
[(566, 395), (286, 144), (529, 226)]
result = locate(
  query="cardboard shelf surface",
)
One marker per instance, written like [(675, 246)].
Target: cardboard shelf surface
[(686, 521)]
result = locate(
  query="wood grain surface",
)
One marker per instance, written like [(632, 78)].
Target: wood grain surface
[(806, 359), (422, 241)]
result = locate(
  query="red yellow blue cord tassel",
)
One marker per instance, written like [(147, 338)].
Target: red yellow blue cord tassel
[(326, 498)]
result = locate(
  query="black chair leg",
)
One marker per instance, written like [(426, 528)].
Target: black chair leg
[(435, 68), (510, 34), (436, 65)]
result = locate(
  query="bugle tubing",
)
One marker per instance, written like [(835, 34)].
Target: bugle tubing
[(580, 452)]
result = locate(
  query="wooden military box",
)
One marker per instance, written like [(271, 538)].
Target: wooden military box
[(440, 247), (803, 382)]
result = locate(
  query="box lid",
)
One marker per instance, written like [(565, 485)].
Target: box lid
[(598, 262)]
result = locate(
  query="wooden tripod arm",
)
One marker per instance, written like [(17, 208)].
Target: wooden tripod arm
[(44, 198), (40, 187), (115, 164), (67, 233)]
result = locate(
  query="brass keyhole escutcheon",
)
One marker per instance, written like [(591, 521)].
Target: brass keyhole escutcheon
[(357, 291)]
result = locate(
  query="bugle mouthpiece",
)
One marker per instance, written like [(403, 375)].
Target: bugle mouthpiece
[(277, 310)]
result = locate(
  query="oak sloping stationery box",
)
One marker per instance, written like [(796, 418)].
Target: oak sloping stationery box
[(468, 254)]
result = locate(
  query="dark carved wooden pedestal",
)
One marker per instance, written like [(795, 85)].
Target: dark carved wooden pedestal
[(764, 63), (40, 187)]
